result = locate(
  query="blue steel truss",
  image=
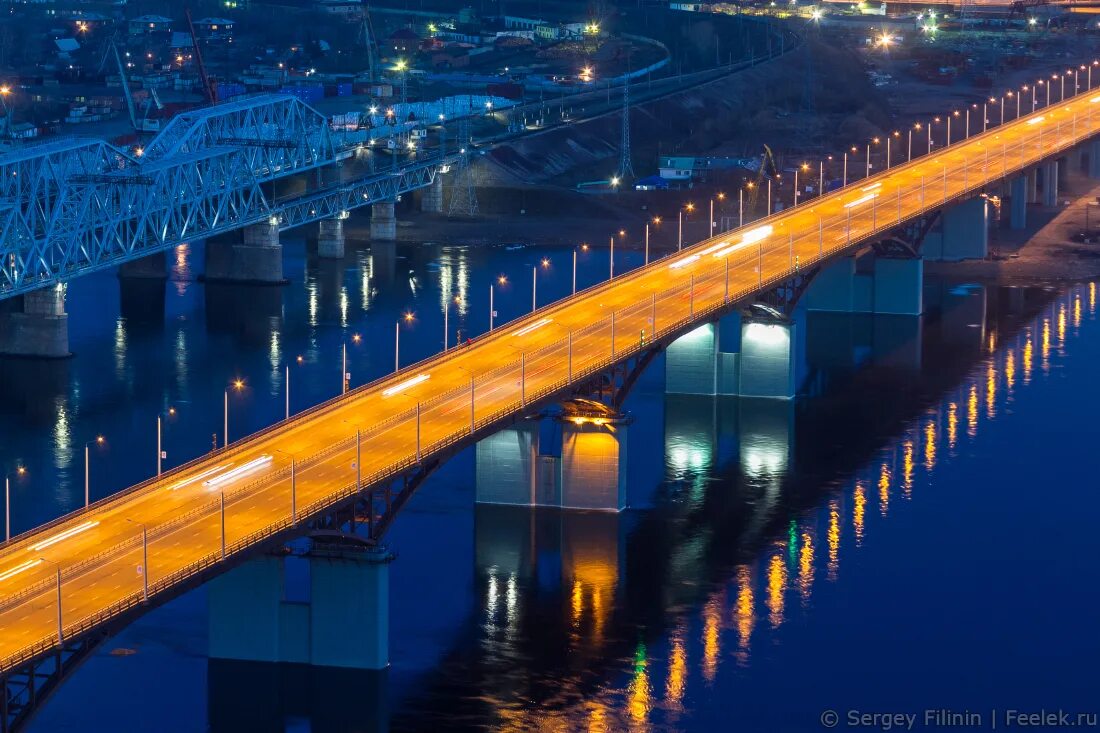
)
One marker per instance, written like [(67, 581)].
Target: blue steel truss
[(73, 206)]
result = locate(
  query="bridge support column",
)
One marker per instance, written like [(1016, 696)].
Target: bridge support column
[(431, 200), (149, 267), (834, 288), (691, 362), (344, 623), (259, 259), (1017, 199), (1033, 186), (506, 465), (593, 466), (964, 233), (330, 238), (899, 286), (768, 359), (383, 224), (40, 329), (1050, 183), (1094, 159)]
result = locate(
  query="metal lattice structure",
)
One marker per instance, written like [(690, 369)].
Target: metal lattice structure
[(70, 207)]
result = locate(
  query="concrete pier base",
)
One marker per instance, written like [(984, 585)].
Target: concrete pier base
[(330, 239), (1050, 183), (258, 259), (383, 223), (747, 356), (962, 235), (344, 623), (590, 472), (1017, 199), (431, 198), (1094, 159), (37, 329), (1033, 186), (150, 267), (883, 285), (898, 286)]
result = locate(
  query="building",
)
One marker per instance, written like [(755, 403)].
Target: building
[(401, 42), (214, 29), (146, 24)]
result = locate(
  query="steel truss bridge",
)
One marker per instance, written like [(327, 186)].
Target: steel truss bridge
[(72, 206), (357, 459)]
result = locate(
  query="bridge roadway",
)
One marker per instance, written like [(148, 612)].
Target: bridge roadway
[(429, 407)]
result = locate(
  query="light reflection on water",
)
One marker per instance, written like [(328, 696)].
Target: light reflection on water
[(653, 669)]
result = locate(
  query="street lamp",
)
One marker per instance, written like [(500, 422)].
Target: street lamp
[(345, 379), (299, 361), (689, 207), (502, 281), (60, 630), (408, 317), (20, 472), (98, 440), (656, 222), (170, 412), (5, 92), (721, 197), (144, 559), (237, 385)]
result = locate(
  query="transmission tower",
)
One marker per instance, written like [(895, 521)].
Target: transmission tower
[(463, 196), (626, 168)]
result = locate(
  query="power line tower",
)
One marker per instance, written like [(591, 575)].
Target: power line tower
[(463, 195), (626, 168)]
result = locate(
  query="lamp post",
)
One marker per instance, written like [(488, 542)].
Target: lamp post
[(98, 440), (5, 92), (741, 208), (844, 174), (408, 318), (161, 454), (345, 375), (238, 385), (501, 280), (19, 472), (144, 559)]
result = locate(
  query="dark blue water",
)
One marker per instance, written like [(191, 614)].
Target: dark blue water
[(917, 532)]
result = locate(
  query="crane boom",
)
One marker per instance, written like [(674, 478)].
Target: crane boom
[(207, 83), (125, 87)]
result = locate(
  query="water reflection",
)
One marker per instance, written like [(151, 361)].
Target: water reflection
[(650, 609)]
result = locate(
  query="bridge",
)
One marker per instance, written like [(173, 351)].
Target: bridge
[(357, 459), (74, 206)]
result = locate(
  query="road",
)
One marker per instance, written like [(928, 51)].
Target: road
[(431, 405)]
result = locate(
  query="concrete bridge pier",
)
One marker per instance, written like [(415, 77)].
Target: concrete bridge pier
[(1033, 186), (1050, 183), (880, 285), (431, 198), (589, 473), (383, 223), (1017, 201), (344, 622), (38, 327), (963, 233), (330, 238), (1094, 158), (257, 259), (751, 356), (149, 267)]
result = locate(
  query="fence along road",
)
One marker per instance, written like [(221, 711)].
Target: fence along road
[(102, 561)]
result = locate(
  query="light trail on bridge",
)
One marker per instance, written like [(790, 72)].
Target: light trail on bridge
[(229, 501)]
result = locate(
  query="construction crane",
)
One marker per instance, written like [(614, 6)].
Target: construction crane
[(209, 87), (144, 124), (766, 170)]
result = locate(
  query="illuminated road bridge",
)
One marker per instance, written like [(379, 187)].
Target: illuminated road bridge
[(358, 458)]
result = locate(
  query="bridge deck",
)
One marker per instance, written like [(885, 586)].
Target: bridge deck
[(431, 406)]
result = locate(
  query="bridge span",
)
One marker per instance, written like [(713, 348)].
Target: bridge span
[(359, 457)]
